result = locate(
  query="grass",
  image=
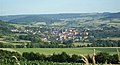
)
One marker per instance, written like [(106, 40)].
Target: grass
[(19, 25), (49, 51), (110, 38), (20, 41), (114, 24), (81, 44), (1, 39), (23, 25), (9, 49), (39, 23), (15, 42)]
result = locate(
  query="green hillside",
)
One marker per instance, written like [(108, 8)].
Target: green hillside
[(67, 18)]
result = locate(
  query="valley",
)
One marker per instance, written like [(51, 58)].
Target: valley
[(42, 38)]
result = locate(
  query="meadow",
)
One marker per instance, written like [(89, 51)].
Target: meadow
[(70, 51)]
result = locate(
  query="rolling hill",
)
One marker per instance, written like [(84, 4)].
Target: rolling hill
[(64, 18)]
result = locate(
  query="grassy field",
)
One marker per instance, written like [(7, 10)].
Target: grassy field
[(111, 39), (81, 44), (49, 51)]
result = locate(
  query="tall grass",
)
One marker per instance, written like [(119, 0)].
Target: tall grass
[(84, 59), (93, 58), (118, 56), (16, 60)]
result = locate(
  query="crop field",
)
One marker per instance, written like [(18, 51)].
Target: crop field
[(70, 51)]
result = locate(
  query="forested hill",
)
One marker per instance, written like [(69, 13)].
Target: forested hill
[(5, 27), (50, 18)]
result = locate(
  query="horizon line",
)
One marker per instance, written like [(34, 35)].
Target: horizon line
[(55, 13)]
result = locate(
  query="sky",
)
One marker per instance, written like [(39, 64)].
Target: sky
[(17, 7)]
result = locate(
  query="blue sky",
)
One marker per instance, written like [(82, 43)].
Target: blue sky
[(16, 7)]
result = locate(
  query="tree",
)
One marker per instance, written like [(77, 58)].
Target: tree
[(75, 58), (64, 57), (113, 59), (102, 57)]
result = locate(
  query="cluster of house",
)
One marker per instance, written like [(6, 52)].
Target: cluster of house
[(59, 34), (70, 34)]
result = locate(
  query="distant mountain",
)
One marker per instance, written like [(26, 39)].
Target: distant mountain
[(50, 18)]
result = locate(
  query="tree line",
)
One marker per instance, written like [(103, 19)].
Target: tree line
[(98, 43), (106, 43)]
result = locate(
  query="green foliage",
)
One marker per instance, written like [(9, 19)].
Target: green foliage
[(105, 57), (5, 28), (3, 45), (106, 43), (32, 38), (40, 63), (110, 32), (75, 58), (6, 57)]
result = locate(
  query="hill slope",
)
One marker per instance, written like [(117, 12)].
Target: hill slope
[(51, 18)]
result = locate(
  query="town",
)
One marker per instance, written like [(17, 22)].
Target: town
[(56, 34)]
